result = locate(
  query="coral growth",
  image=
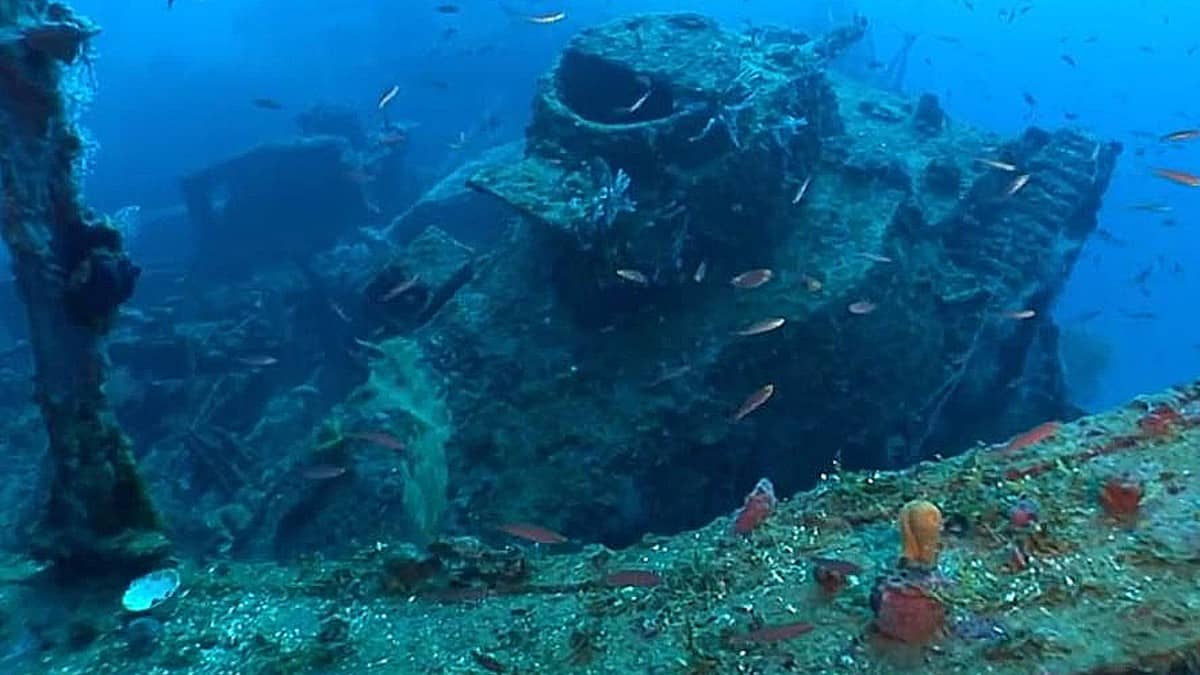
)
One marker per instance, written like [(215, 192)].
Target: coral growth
[(400, 391), (612, 199), (1121, 496), (759, 504), (905, 610), (920, 534), (832, 575), (1161, 421), (1024, 513)]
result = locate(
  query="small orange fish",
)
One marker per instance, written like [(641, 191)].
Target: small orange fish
[(671, 374), (752, 278), (534, 533), (1020, 315), (764, 326), (378, 438), (401, 288), (633, 276), (862, 307), (1181, 135), (770, 634), (1181, 177), (754, 401), (1015, 186), (320, 472), (633, 579), (1032, 437)]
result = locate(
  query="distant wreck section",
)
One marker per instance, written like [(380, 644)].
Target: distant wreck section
[(276, 201), (288, 201), (667, 157)]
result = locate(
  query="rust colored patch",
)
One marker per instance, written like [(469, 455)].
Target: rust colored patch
[(1161, 422)]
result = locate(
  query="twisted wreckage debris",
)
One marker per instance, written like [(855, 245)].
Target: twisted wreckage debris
[(72, 274)]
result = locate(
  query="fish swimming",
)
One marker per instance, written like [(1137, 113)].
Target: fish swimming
[(534, 533), (322, 472), (803, 189), (1001, 166), (752, 278), (1015, 186), (1180, 177), (862, 307), (1034, 436), (381, 438), (754, 401), (387, 96), (633, 276), (401, 288), (637, 105), (543, 19), (874, 257), (633, 579), (1181, 135), (764, 326), (771, 634)]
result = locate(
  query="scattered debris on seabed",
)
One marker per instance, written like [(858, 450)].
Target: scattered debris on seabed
[(1078, 552)]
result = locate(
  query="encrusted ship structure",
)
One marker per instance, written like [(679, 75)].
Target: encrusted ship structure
[(614, 332), (713, 267)]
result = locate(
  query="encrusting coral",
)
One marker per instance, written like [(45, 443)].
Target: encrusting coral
[(905, 607)]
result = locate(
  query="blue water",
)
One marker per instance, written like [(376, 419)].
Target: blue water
[(175, 88)]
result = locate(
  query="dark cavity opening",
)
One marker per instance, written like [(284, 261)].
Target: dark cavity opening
[(608, 93)]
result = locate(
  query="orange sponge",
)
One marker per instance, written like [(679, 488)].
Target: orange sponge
[(920, 533)]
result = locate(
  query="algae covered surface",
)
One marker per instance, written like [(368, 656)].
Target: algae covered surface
[(1085, 585)]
